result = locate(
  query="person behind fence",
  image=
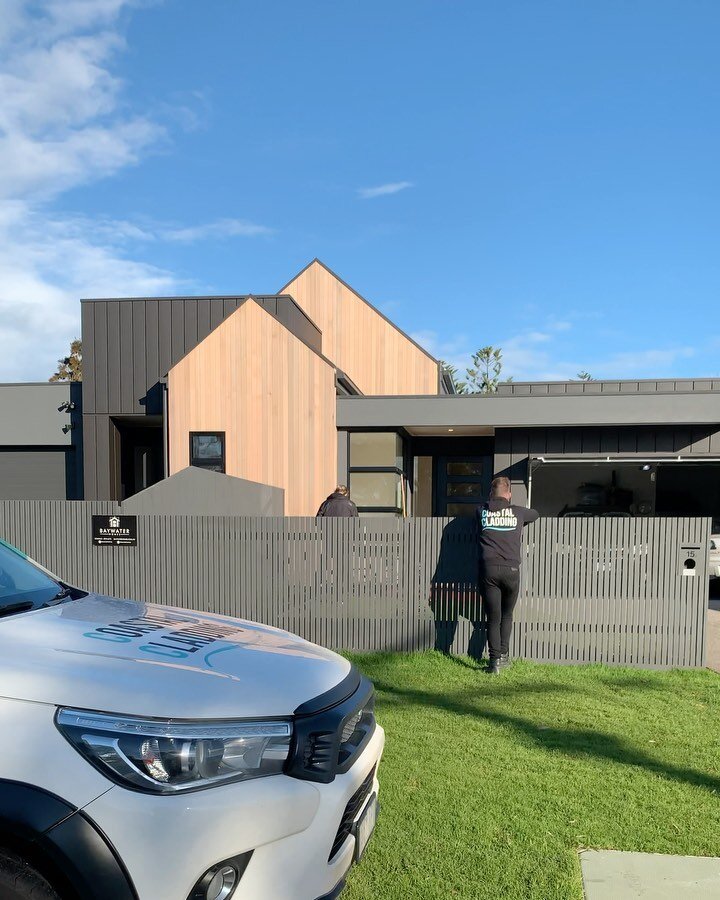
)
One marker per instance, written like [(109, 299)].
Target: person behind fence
[(500, 526), (337, 505)]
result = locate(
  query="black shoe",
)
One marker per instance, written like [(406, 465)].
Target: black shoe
[(504, 660), (493, 667)]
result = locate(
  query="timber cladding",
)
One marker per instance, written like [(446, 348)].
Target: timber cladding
[(272, 396), (373, 352)]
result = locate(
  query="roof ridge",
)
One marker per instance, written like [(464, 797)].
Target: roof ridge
[(364, 300)]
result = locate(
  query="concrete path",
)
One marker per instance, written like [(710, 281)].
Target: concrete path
[(614, 875), (713, 633)]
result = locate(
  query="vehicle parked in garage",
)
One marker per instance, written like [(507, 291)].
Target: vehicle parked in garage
[(714, 558), (153, 753)]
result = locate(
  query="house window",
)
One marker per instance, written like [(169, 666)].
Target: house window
[(369, 449), (377, 483), (207, 450)]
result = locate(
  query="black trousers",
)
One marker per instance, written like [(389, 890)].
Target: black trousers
[(500, 586)]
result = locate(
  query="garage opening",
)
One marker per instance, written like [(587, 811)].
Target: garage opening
[(689, 489), (626, 488)]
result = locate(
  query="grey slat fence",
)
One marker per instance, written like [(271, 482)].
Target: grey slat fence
[(594, 590)]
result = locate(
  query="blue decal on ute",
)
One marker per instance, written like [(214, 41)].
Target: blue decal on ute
[(115, 638), (218, 650), (170, 634)]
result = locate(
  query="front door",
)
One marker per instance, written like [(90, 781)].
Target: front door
[(461, 484), (141, 457)]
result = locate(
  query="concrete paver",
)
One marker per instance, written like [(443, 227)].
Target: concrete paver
[(616, 875), (713, 634)]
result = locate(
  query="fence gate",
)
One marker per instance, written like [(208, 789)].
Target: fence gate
[(623, 591)]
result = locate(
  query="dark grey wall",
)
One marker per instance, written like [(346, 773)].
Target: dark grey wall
[(41, 441), (286, 311), (194, 491), (30, 414), (130, 345), (34, 474)]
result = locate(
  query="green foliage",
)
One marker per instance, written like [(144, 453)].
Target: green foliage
[(70, 367), (584, 376), (484, 375), (489, 786), (460, 386)]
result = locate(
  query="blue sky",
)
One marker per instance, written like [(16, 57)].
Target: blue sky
[(541, 175)]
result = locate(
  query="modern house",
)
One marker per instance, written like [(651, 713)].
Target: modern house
[(41, 441), (312, 386)]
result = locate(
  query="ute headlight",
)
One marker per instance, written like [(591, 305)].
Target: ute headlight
[(164, 757)]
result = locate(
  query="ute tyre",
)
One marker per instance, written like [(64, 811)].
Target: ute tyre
[(20, 881)]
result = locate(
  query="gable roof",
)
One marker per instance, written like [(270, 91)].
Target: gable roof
[(260, 300), (319, 262)]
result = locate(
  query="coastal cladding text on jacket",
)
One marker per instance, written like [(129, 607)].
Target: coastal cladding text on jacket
[(501, 526)]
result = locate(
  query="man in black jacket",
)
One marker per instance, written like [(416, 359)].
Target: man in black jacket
[(501, 526), (338, 505)]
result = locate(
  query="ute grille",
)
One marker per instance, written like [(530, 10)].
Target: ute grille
[(355, 804)]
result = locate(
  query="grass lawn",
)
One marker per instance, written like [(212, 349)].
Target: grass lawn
[(490, 785)]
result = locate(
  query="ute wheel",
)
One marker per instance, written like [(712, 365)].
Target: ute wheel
[(20, 881)]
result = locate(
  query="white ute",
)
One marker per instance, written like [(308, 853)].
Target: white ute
[(152, 753)]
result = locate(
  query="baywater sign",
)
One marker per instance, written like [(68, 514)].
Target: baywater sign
[(114, 531)]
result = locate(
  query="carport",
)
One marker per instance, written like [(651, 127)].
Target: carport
[(615, 486)]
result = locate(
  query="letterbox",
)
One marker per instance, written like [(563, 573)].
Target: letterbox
[(690, 559)]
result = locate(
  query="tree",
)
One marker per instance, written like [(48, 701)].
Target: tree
[(70, 367), (484, 376), (584, 376), (460, 386)]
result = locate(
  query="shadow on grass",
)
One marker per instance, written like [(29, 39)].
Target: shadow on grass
[(573, 743), (465, 662)]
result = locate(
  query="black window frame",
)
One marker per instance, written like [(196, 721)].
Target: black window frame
[(210, 465), (371, 470)]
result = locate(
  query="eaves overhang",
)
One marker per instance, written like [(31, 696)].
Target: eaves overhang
[(482, 411)]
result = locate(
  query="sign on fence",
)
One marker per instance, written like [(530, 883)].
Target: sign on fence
[(114, 531)]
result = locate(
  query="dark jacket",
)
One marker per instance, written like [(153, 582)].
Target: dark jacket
[(501, 526), (337, 506)]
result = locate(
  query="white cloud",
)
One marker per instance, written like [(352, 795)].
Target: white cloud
[(642, 363), (547, 355), (64, 123), (382, 190), (223, 228), (121, 232), (60, 124), (559, 325), (528, 358), (45, 268), (453, 350)]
